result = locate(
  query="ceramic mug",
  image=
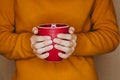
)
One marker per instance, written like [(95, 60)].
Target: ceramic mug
[(53, 30)]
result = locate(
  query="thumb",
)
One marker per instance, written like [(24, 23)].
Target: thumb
[(35, 30), (71, 30)]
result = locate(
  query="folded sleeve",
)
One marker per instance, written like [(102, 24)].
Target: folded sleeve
[(104, 36), (12, 45)]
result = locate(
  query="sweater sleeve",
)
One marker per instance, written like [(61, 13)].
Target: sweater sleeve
[(104, 36), (12, 45)]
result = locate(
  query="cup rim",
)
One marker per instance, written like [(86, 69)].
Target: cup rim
[(64, 25), (55, 27)]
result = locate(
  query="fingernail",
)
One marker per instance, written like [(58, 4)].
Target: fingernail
[(54, 40), (47, 54), (55, 46), (51, 46), (72, 28), (50, 41), (59, 35)]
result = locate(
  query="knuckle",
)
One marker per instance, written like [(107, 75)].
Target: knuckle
[(34, 51), (32, 46), (69, 36), (72, 50), (32, 38), (68, 50), (57, 46), (68, 44), (43, 50), (43, 56), (61, 47), (35, 45), (62, 35), (72, 36), (75, 37), (65, 56), (39, 38), (62, 55), (75, 45), (39, 56), (44, 37), (48, 48), (59, 41), (62, 42), (45, 42), (38, 51)]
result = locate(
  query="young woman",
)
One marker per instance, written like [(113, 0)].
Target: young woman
[(96, 32)]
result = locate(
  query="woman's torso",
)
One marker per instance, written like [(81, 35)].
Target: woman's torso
[(76, 13)]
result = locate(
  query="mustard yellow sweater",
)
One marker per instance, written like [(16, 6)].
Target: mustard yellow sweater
[(96, 29)]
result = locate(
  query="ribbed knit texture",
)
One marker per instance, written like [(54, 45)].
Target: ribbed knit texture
[(95, 26)]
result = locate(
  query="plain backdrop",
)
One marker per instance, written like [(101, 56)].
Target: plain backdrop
[(108, 65)]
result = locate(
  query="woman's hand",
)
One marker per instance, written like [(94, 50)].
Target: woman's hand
[(40, 44), (66, 43)]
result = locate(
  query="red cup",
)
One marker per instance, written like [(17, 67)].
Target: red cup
[(52, 30)]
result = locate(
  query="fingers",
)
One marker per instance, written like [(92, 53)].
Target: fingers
[(67, 36), (39, 52), (64, 49), (41, 44), (63, 42), (43, 50), (36, 38), (62, 55), (71, 30), (70, 36), (68, 51), (35, 30), (43, 56), (68, 43)]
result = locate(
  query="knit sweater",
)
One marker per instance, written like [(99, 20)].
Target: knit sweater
[(95, 26)]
